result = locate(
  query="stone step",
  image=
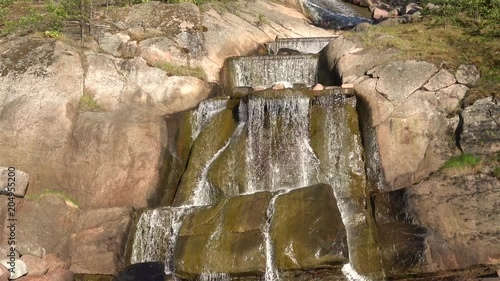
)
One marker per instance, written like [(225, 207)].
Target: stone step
[(265, 71), (310, 45)]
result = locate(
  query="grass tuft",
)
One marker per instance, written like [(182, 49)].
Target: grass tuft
[(465, 164), (496, 172), (87, 103), (180, 70)]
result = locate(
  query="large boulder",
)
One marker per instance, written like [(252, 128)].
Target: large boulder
[(225, 238), (41, 83), (307, 230), (118, 84), (481, 128), (127, 145), (462, 212), (98, 245), (397, 116), (44, 225)]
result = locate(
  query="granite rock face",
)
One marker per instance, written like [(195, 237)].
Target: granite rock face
[(397, 113), (481, 128)]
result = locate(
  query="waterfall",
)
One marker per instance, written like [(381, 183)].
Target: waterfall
[(283, 140), (264, 71), (303, 45), (156, 235), (278, 131), (271, 273), (205, 112), (203, 192)]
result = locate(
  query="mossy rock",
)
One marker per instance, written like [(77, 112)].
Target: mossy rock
[(207, 144), (307, 229), (224, 238), (228, 172), (334, 127)]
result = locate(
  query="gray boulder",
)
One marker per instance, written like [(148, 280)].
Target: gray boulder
[(19, 180), (481, 128), (441, 80), (467, 75)]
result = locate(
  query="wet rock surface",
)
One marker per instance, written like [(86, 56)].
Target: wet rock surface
[(292, 229), (225, 238)]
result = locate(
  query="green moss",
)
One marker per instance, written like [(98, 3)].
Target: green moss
[(462, 162), (87, 103), (262, 20), (69, 201), (180, 70), (496, 172)]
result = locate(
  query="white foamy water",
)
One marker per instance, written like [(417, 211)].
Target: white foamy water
[(351, 274), (278, 145), (156, 235), (204, 114)]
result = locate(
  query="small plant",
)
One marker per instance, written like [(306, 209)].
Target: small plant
[(180, 70), (87, 103), (262, 20), (496, 172), (462, 164), (51, 33)]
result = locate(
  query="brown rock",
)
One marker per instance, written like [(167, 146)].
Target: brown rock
[(43, 82), (318, 87), (97, 247), (136, 140), (36, 266), (259, 88), (4, 273), (60, 275), (44, 225), (378, 14), (117, 84), (417, 130), (450, 206), (53, 262)]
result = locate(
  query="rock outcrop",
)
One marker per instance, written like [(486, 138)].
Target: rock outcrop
[(404, 118)]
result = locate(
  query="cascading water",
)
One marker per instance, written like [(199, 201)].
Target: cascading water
[(278, 132), (271, 273), (205, 112), (275, 141), (203, 193), (303, 45), (264, 71), (156, 235)]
